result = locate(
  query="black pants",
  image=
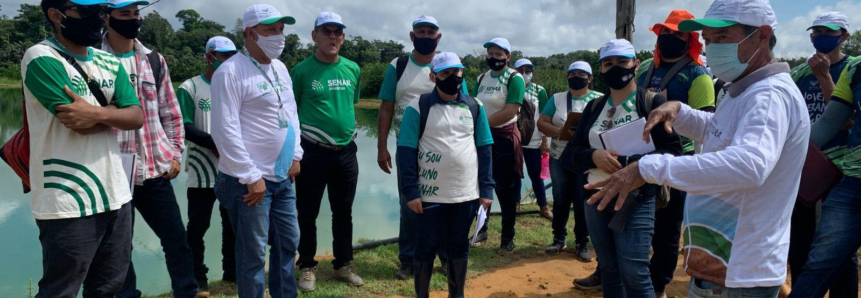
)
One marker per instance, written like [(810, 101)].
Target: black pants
[(339, 170), (157, 205), (665, 242), (446, 228), (801, 235), (507, 186), (92, 251), (567, 191), (200, 203)]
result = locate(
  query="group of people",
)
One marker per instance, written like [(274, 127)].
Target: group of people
[(107, 133)]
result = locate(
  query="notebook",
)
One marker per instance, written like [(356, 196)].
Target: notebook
[(627, 139)]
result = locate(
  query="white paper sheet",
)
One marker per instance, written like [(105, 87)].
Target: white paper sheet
[(479, 222), (628, 139)]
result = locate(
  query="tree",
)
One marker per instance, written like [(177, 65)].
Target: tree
[(852, 46), (156, 32)]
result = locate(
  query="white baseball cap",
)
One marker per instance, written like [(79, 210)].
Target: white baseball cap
[(328, 17), (122, 3), (725, 13), (499, 42), (834, 20), (220, 44), (264, 14), (523, 62), (446, 60), (424, 20), (617, 47), (580, 65)]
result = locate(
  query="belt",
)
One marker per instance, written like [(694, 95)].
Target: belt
[(327, 145)]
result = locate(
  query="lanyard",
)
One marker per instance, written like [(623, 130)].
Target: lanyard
[(277, 89)]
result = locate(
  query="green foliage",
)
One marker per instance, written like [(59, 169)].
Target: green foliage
[(852, 46), (372, 79)]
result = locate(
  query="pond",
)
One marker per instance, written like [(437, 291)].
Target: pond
[(375, 214)]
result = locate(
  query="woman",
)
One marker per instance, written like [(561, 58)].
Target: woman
[(623, 257), (501, 91), (537, 96), (567, 185)]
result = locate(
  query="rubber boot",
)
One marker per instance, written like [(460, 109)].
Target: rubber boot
[(456, 278), (422, 275)]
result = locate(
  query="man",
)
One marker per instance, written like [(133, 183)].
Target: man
[(195, 101), (326, 86), (678, 68), (157, 146), (539, 145), (744, 184), (80, 194), (256, 131), (816, 79), (405, 80)]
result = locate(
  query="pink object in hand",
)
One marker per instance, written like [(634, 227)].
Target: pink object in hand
[(545, 166)]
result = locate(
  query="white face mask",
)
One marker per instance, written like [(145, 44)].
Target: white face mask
[(272, 46), (527, 78)]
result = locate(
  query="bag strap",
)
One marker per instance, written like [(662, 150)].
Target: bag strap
[(157, 71), (674, 70), (650, 98), (473, 108), (401, 66), (480, 78), (424, 110), (510, 77), (93, 86), (568, 102)]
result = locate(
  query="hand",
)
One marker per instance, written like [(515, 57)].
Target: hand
[(384, 160), (416, 206), (174, 170), (256, 191), (820, 65), (544, 148), (485, 202), (619, 184), (79, 114), (606, 160), (665, 113), (294, 171)]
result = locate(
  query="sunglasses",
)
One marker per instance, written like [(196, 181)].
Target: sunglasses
[(610, 113), (86, 11)]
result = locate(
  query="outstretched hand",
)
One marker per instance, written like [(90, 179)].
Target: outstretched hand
[(665, 113), (619, 184)]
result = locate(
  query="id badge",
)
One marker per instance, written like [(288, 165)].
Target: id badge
[(283, 120)]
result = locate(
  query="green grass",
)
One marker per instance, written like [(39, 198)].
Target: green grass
[(377, 266), (10, 83), (369, 103)]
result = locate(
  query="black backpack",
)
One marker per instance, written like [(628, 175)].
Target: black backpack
[(525, 117), (424, 110)]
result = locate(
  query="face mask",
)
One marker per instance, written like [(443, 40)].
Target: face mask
[(425, 46), (723, 60), (527, 78), (577, 83), (84, 31), (272, 46), (127, 28), (450, 85), (826, 43), (671, 47), (618, 77), (216, 64), (496, 64)]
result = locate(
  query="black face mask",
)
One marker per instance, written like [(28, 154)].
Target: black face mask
[(425, 46), (84, 31), (496, 64), (450, 85), (672, 47), (127, 28), (618, 77), (577, 83)]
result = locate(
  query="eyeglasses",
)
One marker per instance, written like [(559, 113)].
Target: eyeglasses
[(330, 33), (86, 11), (610, 113)]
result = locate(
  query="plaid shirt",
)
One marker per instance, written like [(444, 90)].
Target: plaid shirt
[(161, 139)]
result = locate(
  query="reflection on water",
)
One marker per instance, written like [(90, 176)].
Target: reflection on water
[(375, 214)]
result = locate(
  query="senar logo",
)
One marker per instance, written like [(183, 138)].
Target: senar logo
[(205, 104), (316, 86), (79, 86)]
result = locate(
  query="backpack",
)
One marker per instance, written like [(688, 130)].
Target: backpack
[(669, 75), (401, 66), (157, 71), (424, 110), (16, 152), (525, 116)]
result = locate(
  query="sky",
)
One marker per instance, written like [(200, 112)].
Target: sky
[(535, 27)]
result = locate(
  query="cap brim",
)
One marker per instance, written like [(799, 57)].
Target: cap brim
[(447, 67), (698, 24), (118, 5), (829, 26), (91, 2), (333, 23), (225, 50), (490, 44), (425, 24), (580, 69), (285, 20), (660, 26), (530, 65)]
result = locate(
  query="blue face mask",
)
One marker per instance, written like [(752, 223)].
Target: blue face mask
[(826, 43), (724, 62)]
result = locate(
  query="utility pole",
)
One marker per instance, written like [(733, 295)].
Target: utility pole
[(625, 11)]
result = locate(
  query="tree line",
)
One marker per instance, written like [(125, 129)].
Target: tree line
[(183, 48)]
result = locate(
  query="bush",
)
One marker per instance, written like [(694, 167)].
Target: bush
[(372, 79)]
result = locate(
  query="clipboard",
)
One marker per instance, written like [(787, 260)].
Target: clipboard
[(571, 124)]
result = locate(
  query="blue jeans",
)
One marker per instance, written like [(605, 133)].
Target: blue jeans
[(272, 221), (568, 190), (445, 227), (532, 159), (624, 258), (837, 239), (704, 289)]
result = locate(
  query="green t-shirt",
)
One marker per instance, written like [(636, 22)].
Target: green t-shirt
[(325, 94)]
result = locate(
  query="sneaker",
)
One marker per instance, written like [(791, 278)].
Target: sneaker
[(480, 238), (406, 272), (582, 253), (348, 274), (593, 282), (506, 249), (546, 212), (308, 279), (203, 288), (555, 248)]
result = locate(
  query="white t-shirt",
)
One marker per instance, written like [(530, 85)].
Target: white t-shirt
[(129, 62), (625, 113), (493, 92), (557, 110), (200, 163), (533, 94), (742, 189), (255, 137), (414, 82)]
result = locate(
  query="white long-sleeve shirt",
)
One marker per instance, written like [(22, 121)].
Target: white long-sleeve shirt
[(742, 189), (253, 140)]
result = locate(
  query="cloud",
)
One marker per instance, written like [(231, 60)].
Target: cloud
[(793, 39)]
